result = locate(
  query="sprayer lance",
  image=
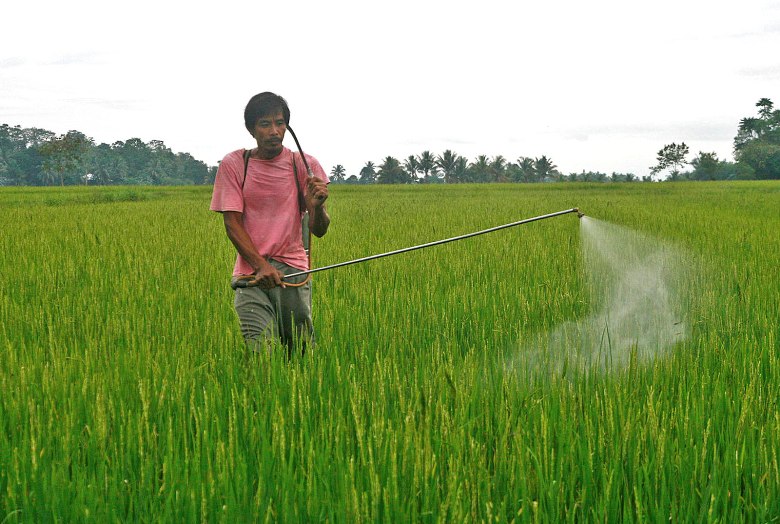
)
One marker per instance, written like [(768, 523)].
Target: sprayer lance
[(435, 243)]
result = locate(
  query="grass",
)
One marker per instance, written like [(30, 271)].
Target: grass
[(126, 393)]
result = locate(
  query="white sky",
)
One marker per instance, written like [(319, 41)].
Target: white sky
[(596, 85)]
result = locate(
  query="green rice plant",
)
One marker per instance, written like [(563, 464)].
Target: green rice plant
[(126, 393)]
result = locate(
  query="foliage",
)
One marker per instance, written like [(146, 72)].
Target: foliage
[(447, 162), (671, 157), (337, 174), (39, 157), (391, 172), (426, 163), (757, 143), (63, 156), (368, 173), (412, 166)]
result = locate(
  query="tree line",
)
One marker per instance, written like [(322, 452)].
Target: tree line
[(756, 153), (38, 157), (32, 156), (451, 168)]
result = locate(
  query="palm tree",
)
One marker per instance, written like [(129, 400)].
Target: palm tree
[(412, 166), (765, 108), (544, 168), (749, 129), (446, 162), (460, 172), (368, 173), (480, 169), (391, 172), (498, 169), (527, 170), (427, 164), (338, 173)]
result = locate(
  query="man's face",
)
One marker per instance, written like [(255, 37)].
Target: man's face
[(269, 132)]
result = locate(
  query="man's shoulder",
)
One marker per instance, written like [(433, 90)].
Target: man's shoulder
[(315, 166), (236, 156)]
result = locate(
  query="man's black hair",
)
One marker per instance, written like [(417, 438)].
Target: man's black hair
[(264, 104)]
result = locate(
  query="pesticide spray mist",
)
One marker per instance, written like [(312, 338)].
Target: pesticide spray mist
[(633, 283)]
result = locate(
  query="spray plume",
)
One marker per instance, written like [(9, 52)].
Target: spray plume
[(633, 288)]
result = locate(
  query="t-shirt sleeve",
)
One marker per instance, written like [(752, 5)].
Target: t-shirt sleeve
[(227, 195), (316, 168), (319, 172)]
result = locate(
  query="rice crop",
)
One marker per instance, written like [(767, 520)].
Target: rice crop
[(126, 393)]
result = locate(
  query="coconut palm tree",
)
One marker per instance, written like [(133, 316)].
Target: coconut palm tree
[(544, 168), (368, 173), (338, 173), (412, 166), (460, 172), (427, 164), (391, 172), (498, 169), (527, 170), (480, 169), (446, 162)]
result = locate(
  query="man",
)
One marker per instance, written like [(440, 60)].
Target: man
[(263, 195)]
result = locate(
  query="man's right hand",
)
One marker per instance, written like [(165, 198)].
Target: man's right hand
[(266, 276)]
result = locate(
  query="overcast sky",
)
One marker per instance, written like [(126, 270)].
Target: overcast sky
[(600, 85)]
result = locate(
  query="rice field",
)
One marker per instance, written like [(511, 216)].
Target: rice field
[(126, 393)]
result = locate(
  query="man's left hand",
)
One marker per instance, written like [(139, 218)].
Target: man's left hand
[(316, 192)]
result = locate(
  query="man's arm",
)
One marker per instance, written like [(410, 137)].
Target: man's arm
[(266, 275), (316, 194)]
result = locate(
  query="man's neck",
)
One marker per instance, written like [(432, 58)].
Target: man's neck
[(264, 155)]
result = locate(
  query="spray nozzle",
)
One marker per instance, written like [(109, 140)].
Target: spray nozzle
[(580, 214)]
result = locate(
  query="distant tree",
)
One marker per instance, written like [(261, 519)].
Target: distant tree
[(446, 163), (757, 144), (4, 179), (671, 157), (102, 164), (65, 156), (705, 166), (412, 166), (763, 158), (744, 171), (765, 109), (34, 137), (212, 174), (368, 173), (498, 169), (527, 172), (427, 164), (338, 173), (137, 156), (749, 129), (188, 170), (479, 170), (33, 156), (461, 169), (159, 170), (545, 169), (391, 172)]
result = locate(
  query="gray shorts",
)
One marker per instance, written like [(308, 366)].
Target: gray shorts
[(270, 316)]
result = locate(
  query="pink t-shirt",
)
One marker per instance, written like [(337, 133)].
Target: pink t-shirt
[(269, 203)]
